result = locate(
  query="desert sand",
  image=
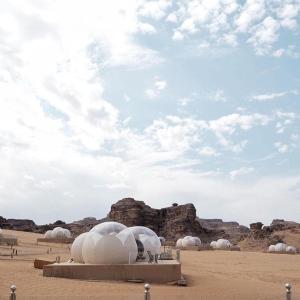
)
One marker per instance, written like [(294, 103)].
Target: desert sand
[(214, 275)]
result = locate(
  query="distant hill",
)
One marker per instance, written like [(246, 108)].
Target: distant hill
[(174, 222)]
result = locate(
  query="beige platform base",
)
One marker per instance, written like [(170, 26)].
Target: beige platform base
[(57, 241), (164, 271), (39, 263)]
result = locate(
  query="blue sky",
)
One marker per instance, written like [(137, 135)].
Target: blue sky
[(164, 101)]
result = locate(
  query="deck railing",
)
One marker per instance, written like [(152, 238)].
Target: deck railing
[(147, 294)]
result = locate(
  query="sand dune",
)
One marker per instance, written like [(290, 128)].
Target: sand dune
[(214, 275)]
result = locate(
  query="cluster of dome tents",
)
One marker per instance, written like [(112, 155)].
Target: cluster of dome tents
[(188, 241), (114, 243), (220, 244), (282, 248), (58, 233), (192, 241)]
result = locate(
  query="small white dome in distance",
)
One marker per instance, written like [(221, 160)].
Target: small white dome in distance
[(213, 244), (197, 241), (271, 248), (179, 243), (223, 244), (280, 247), (291, 249), (188, 242), (48, 234)]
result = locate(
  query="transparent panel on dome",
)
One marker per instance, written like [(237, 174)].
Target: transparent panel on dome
[(129, 242), (146, 239), (76, 248), (48, 234), (108, 228)]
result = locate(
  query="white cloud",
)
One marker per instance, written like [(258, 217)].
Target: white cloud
[(177, 36), (155, 91), (266, 97), (281, 147), (154, 9), (146, 28), (208, 151), (240, 172), (218, 96), (272, 96), (184, 101), (172, 18), (228, 23), (264, 35), (253, 11)]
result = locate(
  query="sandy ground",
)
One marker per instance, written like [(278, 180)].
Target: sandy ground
[(211, 275)]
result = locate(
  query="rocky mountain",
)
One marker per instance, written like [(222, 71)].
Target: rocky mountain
[(279, 231), (175, 221), (172, 222), (232, 231)]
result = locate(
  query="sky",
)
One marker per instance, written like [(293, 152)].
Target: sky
[(187, 101)]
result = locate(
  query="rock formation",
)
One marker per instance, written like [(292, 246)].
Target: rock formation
[(232, 231), (173, 222)]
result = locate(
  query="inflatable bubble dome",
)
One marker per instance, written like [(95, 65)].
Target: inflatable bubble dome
[(271, 248), (291, 249), (108, 228), (146, 237), (280, 247), (197, 241), (48, 234), (112, 248), (223, 244), (179, 243), (190, 241), (60, 233), (213, 244), (76, 248)]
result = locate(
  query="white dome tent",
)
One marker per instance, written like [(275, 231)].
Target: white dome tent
[(58, 233), (222, 244), (271, 249), (280, 247), (48, 234), (213, 244), (179, 243), (291, 249), (114, 243), (188, 242)]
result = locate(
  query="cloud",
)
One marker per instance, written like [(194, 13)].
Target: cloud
[(281, 147), (154, 9), (230, 23), (184, 101), (155, 91), (208, 151), (240, 172), (177, 36), (272, 96), (218, 96)]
